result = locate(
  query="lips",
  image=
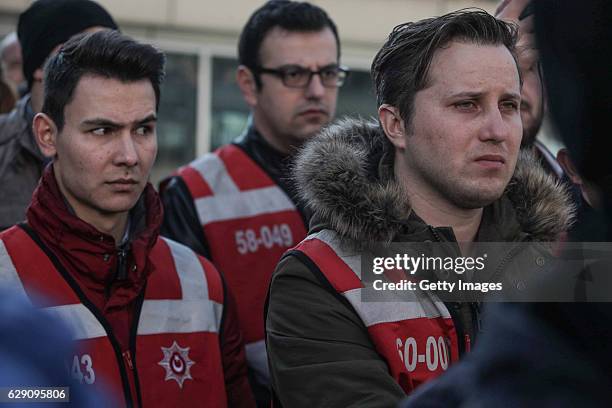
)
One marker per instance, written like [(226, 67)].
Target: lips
[(126, 181), (313, 111), (492, 158)]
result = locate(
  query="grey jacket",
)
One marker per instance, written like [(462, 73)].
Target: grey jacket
[(319, 349), (21, 163)]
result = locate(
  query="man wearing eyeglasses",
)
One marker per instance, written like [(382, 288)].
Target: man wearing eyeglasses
[(236, 206)]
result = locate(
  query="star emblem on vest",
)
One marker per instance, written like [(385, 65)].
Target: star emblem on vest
[(177, 363)]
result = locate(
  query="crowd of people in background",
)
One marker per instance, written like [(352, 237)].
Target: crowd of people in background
[(238, 280)]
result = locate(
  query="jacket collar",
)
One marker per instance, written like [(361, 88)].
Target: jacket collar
[(343, 176), (80, 244)]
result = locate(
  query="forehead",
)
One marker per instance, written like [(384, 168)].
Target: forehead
[(306, 48), (462, 66), (99, 97)]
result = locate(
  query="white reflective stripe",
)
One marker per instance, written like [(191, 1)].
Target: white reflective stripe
[(257, 359), (242, 204), (9, 278), (384, 312), (190, 271), (81, 322), (212, 169), (350, 257), (180, 316)]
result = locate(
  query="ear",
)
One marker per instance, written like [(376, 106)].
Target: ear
[(393, 125), (568, 167), (246, 82), (45, 133)]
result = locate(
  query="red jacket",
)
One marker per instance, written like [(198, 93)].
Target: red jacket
[(91, 258)]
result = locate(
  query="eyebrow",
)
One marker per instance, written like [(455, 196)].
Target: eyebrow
[(102, 122), (474, 95)]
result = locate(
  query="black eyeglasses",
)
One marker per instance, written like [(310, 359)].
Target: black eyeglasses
[(295, 76)]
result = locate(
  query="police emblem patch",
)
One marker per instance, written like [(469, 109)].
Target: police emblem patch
[(177, 363)]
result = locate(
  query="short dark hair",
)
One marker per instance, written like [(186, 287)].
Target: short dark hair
[(288, 15), (105, 53), (401, 68)]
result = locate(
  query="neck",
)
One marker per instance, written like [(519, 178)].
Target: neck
[(436, 211), (112, 224), (278, 143)]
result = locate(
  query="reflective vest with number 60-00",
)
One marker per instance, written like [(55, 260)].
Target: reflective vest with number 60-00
[(248, 222), (178, 325), (416, 338)]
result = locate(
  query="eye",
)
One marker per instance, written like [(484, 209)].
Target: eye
[(465, 105), (329, 73), (100, 131), (510, 106), (293, 73), (144, 130)]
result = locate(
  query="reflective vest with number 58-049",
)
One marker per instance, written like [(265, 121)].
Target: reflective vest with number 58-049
[(248, 222)]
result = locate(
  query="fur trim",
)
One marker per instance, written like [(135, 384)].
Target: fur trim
[(543, 204), (339, 176)]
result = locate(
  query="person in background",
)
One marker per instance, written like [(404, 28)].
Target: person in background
[(151, 320), (7, 98), (41, 29), (11, 64), (236, 205), (533, 101)]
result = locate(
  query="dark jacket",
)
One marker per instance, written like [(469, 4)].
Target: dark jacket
[(21, 163), (319, 350), (113, 285)]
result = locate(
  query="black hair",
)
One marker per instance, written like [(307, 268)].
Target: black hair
[(105, 53), (288, 15)]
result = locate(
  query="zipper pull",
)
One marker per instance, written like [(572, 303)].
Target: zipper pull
[(468, 343), (127, 356), (122, 262)]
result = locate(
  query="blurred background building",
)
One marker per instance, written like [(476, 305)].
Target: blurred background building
[(202, 107)]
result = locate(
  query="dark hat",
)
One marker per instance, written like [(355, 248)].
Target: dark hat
[(48, 23)]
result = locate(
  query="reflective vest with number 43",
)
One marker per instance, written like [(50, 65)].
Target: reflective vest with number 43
[(175, 356)]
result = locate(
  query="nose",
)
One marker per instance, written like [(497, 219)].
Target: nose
[(315, 89), (496, 128), (127, 154)]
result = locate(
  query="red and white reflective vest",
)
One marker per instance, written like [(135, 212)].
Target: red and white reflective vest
[(416, 338), (249, 222), (175, 359)]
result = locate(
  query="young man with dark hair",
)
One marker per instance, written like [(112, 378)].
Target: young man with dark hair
[(439, 166), (151, 319), (236, 206), (41, 29)]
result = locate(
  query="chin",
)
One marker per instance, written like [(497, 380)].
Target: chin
[(473, 197), (119, 205)]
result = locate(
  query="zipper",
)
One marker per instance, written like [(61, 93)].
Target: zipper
[(122, 253), (507, 257), (127, 356), (435, 234)]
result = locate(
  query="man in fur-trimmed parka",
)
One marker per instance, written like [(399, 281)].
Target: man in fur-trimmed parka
[(441, 164)]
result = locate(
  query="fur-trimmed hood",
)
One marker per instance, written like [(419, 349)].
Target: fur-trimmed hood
[(341, 177)]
